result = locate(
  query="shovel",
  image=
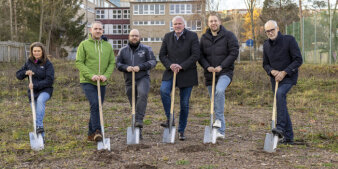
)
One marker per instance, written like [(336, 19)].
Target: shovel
[(105, 143), (210, 131), (133, 133), (169, 133), (36, 140), (271, 140)]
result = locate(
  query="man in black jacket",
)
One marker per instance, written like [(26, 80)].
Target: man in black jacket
[(179, 53), (138, 58), (281, 60), (219, 50)]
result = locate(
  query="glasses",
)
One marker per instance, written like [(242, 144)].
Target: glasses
[(270, 31), (133, 36)]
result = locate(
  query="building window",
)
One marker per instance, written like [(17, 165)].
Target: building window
[(126, 14), (117, 30), (149, 9), (149, 23), (151, 39), (100, 14), (180, 9), (117, 14), (126, 29)]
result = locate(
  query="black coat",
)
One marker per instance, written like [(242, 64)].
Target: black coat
[(221, 50), (185, 52), (282, 54), (42, 79), (143, 57)]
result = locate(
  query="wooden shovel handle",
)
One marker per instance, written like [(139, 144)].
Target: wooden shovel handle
[(274, 109), (133, 94), (33, 103), (173, 95), (213, 93)]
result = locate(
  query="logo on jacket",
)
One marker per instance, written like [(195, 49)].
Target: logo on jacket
[(42, 67), (141, 53)]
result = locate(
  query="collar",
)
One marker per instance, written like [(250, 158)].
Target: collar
[(273, 42), (179, 35)]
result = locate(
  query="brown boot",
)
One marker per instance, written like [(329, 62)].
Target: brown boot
[(91, 137), (98, 136)]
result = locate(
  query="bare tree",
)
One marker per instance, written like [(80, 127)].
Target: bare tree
[(301, 23), (251, 6), (11, 17), (41, 20)]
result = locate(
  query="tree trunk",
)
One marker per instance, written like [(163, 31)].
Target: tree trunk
[(86, 30), (15, 21), (11, 18), (51, 28), (41, 19), (301, 24)]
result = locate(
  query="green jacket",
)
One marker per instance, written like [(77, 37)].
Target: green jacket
[(87, 60)]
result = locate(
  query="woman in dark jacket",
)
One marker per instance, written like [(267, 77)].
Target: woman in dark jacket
[(42, 72)]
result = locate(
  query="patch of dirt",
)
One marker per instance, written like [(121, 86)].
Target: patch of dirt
[(137, 147), (193, 148), (140, 166), (105, 156)]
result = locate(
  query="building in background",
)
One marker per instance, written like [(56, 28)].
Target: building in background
[(153, 18)]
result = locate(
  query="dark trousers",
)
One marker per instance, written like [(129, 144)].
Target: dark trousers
[(283, 118), (90, 91), (141, 94)]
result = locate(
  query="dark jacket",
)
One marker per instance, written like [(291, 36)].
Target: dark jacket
[(282, 54), (221, 50), (42, 79), (143, 57), (185, 52)]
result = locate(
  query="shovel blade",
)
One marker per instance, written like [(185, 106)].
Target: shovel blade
[(36, 141), (133, 137), (270, 143), (210, 135), (169, 136), (104, 144)]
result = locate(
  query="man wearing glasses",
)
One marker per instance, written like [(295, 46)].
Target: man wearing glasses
[(281, 60)]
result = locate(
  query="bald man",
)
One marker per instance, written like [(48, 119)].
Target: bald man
[(138, 58), (281, 60)]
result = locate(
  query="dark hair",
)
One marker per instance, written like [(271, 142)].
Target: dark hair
[(43, 58)]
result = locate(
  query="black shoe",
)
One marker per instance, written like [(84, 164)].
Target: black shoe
[(166, 124), (181, 136), (286, 141), (39, 130), (138, 124), (141, 137), (278, 132)]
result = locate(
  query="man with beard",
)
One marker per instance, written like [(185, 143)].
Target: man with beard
[(219, 50), (138, 58)]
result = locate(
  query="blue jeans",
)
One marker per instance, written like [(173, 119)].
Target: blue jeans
[(283, 117), (141, 93), (219, 102), (90, 91), (40, 105), (185, 93)]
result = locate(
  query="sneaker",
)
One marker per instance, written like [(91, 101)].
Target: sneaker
[(166, 124), (138, 124), (286, 141), (278, 132), (217, 124), (97, 136), (220, 135), (181, 136), (39, 130)]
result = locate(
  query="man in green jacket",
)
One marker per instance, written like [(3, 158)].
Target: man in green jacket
[(95, 60)]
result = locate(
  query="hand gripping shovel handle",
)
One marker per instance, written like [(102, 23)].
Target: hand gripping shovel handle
[(100, 109), (274, 109), (212, 99), (33, 105), (133, 102), (172, 102)]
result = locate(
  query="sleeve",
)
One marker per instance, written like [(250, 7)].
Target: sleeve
[(49, 79), (164, 53), (203, 61), (111, 64), (120, 63), (296, 57), (195, 53), (151, 60), (233, 48), (21, 73), (80, 62), (266, 63)]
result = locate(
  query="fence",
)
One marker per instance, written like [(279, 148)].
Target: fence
[(13, 51), (320, 44)]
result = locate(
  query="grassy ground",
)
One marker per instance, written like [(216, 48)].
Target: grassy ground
[(312, 105)]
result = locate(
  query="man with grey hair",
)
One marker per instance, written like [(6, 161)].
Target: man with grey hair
[(179, 53), (281, 60), (95, 60), (138, 58)]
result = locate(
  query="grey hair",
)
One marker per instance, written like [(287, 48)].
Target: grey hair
[(96, 22), (179, 17), (271, 21)]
